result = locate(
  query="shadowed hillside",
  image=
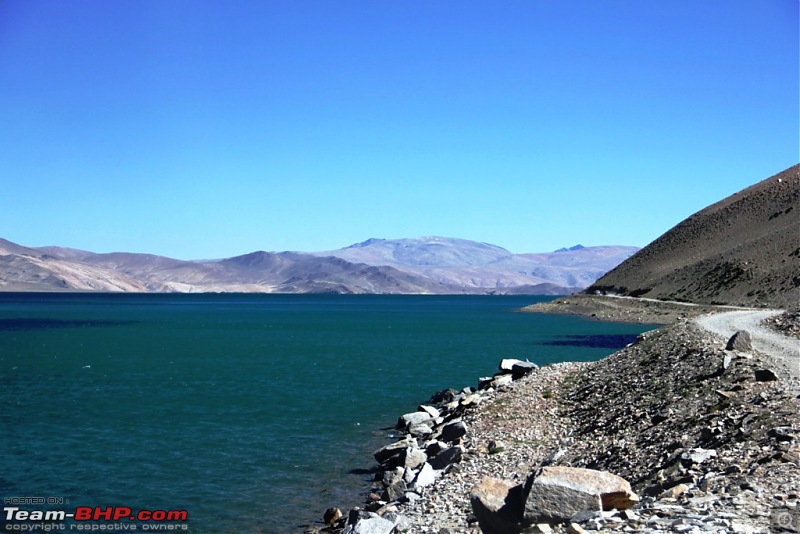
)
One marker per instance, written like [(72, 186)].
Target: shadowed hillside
[(743, 250)]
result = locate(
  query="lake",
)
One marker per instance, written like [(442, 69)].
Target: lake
[(249, 412)]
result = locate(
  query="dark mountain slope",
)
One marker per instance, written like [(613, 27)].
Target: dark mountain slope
[(743, 250)]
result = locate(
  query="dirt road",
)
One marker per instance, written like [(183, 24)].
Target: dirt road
[(764, 340)]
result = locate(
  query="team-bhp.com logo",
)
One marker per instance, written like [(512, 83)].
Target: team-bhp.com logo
[(93, 518)]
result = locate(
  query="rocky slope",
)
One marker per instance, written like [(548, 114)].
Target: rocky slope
[(445, 266), (743, 250), (708, 437)]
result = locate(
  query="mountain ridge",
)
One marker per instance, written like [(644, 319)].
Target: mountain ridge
[(434, 265)]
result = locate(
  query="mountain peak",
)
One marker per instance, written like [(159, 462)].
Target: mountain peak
[(367, 243), (571, 249)]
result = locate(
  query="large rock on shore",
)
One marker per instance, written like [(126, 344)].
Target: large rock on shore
[(362, 522), (498, 506), (549, 495), (558, 493), (393, 449)]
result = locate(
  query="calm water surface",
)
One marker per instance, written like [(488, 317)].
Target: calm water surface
[(248, 411)]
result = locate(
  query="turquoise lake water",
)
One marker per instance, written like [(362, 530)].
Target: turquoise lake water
[(251, 412)]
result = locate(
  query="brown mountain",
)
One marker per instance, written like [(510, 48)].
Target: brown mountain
[(743, 250), (429, 265), (61, 269)]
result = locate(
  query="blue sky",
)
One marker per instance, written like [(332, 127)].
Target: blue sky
[(198, 129)]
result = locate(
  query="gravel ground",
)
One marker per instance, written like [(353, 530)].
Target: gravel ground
[(526, 420)]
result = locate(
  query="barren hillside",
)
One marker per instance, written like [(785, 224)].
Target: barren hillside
[(743, 250)]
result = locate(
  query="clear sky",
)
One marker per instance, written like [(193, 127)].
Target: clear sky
[(200, 129)]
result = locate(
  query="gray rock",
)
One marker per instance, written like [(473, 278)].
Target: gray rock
[(453, 431), (414, 458), (485, 382), (498, 506), (430, 410), (369, 524), (392, 475), (409, 475), (726, 362), (446, 457), (393, 449), (557, 500), (332, 515), (395, 491), (507, 365), (420, 430), (520, 369), (435, 447), (413, 418), (401, 522), (697, 456), (740, 341), (502, 381), (425, 477), (558, 493)]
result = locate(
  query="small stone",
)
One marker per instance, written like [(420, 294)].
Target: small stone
[(332, 515), (781, 433), (740, 341), (697, 456), (733, 469), (765, 375), (726, 362), (496, 447), (446, 457), (574, 528), (674, 492), (629, 515)]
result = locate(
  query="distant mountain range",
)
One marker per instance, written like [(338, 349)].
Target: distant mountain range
[(744, 250), (432, 265)]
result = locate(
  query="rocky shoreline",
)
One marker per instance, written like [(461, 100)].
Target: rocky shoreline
[(624, 309), (709, 438)]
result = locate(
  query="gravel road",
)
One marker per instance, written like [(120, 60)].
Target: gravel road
[(764, 340)]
